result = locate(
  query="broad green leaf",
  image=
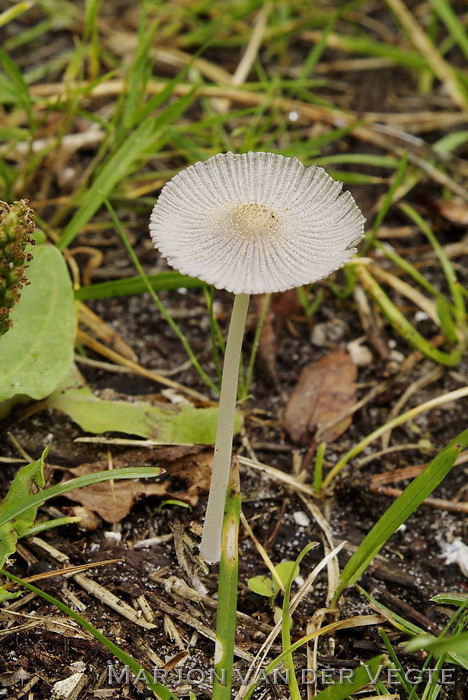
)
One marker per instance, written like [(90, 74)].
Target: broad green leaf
[(28, 481), (170, 424), (286, 570), (400, 511), (263, 585), (37, 352), (266, 586)]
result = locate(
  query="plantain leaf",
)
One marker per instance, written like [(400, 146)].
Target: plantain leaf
[(165, 423), (37, 351)]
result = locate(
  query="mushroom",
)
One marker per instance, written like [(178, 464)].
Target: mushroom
[(251, 224)]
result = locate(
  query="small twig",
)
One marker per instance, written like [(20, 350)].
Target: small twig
[(434, 59), (399, 420), (441, 503), (261, 550), (414, 388), (409, 472), (103, 350)]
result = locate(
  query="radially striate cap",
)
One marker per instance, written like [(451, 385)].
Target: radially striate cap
[(255, 223)]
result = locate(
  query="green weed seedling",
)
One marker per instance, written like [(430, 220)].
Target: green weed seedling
[(268, 586)]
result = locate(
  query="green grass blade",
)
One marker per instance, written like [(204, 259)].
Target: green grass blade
[(400, 510), (453, 23), (92, 8), (51, 524), (396, 662), (358, 621), (387, 203), (137, 77), (450, 599), (245, 384), (407, 267), (167, 317), (317, 50), (286, 626), (360, 678), (402, 57), (447, 267), (137, 285), (217, 340), (115, 170), (118, 166), (307, 150), (454, 643), (318, 467), (13, 12), (359, 159), (450, 142), (77, 483), (159, 690), (403, 326), (411, 629), (16, 80)]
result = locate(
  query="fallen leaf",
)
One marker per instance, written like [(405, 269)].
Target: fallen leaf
[(324, 390), (282, 306), (454, 210), (188, 473), (89, 520)]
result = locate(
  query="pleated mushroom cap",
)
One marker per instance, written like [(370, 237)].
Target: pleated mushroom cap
[(255, 223)]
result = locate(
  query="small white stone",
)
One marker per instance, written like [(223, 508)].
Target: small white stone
[(360, 354), (455, 552), (112, 536), (301, 518), (396, 356)]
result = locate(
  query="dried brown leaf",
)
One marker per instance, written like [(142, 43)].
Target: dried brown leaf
[(454, 210), (188, 471), (324, 390), (283, 305)]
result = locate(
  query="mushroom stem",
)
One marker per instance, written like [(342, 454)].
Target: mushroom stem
[(210, 547)]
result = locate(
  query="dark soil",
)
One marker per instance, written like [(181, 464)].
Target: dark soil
[(40, 646), (409, 573)]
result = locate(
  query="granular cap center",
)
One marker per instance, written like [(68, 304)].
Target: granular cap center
[(253, 221)]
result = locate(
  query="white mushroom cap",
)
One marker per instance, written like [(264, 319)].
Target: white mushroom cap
[(255, 223)]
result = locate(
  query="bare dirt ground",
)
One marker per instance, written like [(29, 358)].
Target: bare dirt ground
[(169, 613)]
